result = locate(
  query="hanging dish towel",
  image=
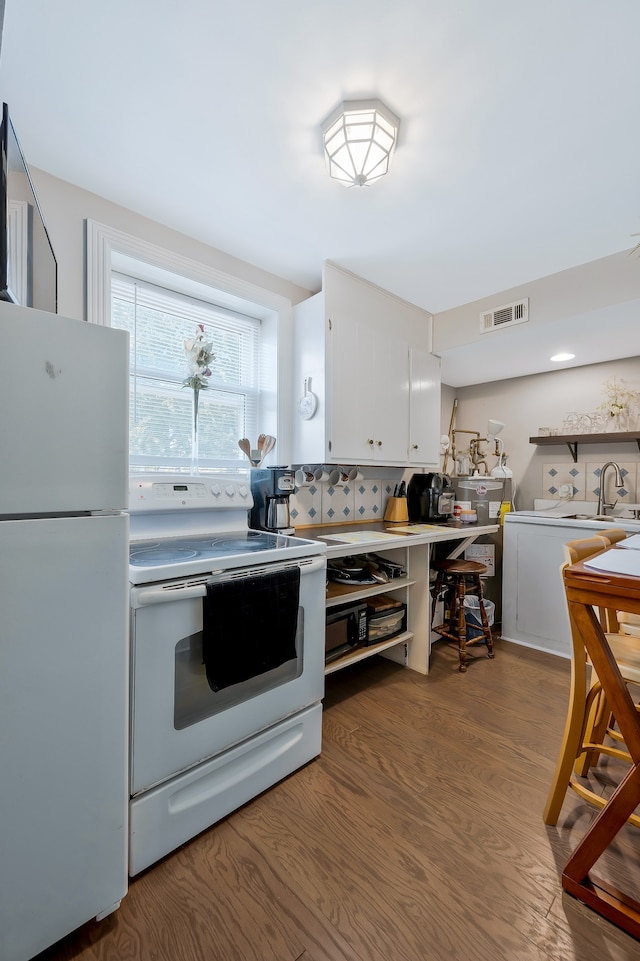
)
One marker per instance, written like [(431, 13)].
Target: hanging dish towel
[(249, 626)]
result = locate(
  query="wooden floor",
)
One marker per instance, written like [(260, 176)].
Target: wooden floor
[(416, 835)]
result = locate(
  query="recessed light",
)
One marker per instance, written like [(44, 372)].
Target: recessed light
[(558, 358)]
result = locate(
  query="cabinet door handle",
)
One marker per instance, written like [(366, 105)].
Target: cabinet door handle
[(370, 441), (414, 447), (379, 443)]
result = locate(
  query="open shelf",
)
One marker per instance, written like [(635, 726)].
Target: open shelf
[(343, 593), (360, 653), (572, 440)]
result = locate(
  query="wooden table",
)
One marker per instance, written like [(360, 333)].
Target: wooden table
[(587, 589)]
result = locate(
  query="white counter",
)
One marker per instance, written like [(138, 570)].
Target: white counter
[(573, 515), (534, 610), (345, 539)]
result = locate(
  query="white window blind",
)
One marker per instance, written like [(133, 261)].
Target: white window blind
[(159, 321)]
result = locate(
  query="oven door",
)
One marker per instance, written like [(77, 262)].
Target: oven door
[(177, 721)]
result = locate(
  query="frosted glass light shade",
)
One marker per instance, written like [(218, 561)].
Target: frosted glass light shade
[(359, 139)]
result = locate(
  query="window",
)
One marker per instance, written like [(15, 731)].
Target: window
[(160, 296), (160, 406)]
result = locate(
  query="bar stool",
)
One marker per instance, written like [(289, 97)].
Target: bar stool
[(458, 578)]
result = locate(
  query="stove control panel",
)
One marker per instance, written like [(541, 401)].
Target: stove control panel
[(174, 492)]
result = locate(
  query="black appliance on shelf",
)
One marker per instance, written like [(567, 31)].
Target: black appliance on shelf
[(430, 497), (346, 628)]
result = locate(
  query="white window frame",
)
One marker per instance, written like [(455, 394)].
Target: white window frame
[(110, 249)]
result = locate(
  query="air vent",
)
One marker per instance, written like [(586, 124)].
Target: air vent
[(506, 316)]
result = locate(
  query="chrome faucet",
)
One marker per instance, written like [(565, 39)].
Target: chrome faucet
[(602, 503)]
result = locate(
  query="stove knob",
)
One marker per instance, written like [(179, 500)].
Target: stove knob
[(230, 490), (216, 490), (243, 490)]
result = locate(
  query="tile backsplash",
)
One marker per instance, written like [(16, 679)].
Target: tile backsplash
[(557, 476), (364, 499), (584, 478)]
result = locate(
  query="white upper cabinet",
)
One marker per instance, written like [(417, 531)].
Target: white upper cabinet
[(424, 408), (353, 347), (370, 387)]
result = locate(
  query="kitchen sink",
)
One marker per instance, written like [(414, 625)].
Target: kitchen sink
[(603, 519), (590, 517)]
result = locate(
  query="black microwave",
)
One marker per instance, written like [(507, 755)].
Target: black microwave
[(346, 628)]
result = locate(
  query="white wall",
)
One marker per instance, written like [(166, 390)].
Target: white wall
[(591, 310), (65, 208), (543, 400), (603, 283)]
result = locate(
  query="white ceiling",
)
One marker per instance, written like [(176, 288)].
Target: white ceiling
[(517, 158)]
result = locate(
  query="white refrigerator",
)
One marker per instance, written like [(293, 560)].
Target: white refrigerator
[(63, 626)]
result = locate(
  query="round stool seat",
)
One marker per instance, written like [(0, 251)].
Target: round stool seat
[(459, 567)]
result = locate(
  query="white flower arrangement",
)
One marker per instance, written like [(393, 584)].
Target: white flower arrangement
[(619, 397), (199, 356)]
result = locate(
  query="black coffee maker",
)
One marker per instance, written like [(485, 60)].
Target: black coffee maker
[(430, 498), (271, 488)]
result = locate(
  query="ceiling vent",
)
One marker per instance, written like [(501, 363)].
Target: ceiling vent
[(506, 316)]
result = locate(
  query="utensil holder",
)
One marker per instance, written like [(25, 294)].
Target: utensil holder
[(396, 510)]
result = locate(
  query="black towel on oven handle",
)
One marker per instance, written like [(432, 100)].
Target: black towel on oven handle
[(249, 625)]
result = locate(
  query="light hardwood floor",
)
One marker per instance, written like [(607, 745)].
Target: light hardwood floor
[(417, 835)]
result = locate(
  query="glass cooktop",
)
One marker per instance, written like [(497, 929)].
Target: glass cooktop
[(164, 558), (172, 549)]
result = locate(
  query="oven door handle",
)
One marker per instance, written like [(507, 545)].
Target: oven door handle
[(144, 596)]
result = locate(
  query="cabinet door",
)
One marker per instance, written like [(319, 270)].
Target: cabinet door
[(389, 399), (424, 408), (369, 394), (350, 391)]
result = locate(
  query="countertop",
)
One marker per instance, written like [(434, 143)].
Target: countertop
[(578, 521), (360, 538)]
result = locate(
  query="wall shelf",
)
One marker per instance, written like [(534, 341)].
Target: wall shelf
[(572, 440)]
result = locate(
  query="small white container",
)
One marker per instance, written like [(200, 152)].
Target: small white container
[(468, 517)]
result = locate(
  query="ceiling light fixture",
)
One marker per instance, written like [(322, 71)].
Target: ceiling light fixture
[(558, 358), (359, 139)]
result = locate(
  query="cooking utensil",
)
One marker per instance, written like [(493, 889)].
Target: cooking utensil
[(268, 444), (245, 446), (381, 577), (261, 439)]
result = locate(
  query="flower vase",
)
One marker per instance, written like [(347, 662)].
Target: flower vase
[(194, 433), (618, 421)]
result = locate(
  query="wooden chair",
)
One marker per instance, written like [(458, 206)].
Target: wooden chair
[(457, 578), (588, 718)]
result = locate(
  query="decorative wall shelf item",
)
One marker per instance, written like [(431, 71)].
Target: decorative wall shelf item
[(572, 440)]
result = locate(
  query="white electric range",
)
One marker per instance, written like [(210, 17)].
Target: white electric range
[(227, 656)]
